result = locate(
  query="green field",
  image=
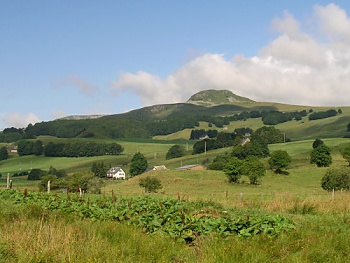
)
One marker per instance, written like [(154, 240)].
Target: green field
[(322, 219)]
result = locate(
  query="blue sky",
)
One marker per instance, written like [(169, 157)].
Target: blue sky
[(60, 58)]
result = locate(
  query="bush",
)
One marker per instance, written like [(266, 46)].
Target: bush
[(151, 184), (321, 156), (233, 169), (337, 179), (279, 160), (219, 162), (346, 153), (36, 174), (175, 151), (254, 169), (317, 143), (3, 153)]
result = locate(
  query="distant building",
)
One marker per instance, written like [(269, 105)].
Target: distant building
[(191, 167), (12, 149), (245, 140), (156, 168), (115, 173)]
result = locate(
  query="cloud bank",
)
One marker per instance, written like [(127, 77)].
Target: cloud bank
[(296, 67), (19, 120), (76, 82)]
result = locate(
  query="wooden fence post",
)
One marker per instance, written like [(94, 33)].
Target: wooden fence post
[(8, 181), (48, 186)]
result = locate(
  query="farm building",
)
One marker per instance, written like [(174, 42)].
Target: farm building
[(245, 140), (191, 167), (156, 168), (115, 173)]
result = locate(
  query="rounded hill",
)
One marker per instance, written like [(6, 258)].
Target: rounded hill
[(215, 97)]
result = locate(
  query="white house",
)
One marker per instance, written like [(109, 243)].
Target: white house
[(116, 173)]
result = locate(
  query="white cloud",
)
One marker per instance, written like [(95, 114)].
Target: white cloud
[(295, 68), (59, 114), (333, 21), (18, 120), (76, 82)]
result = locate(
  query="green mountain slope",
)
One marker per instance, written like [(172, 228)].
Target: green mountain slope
[(213, 107)]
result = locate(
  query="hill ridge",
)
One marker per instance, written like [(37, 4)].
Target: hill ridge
[(215, 97)]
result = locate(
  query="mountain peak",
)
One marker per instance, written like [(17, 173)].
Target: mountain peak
[(215, 97)]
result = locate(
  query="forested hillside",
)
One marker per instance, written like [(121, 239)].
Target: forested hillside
[(298, 121)]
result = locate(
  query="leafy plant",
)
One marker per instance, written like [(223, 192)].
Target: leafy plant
[(181, 220)]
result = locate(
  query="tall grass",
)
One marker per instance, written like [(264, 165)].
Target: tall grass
[(31, 234)]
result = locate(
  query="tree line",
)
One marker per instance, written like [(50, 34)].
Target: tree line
[(75, 149), (324, 114), (121, 126), (259, 140)]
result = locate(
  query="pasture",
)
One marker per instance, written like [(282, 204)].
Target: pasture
[(322, 219)]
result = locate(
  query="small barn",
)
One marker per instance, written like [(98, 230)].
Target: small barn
[(156, 168), (245, 140), (191, 167), (115, 173)]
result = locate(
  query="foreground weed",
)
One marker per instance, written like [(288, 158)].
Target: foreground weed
[(302, 208), (183, 221)]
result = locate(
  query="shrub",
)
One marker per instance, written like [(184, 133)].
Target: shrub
[(254, 169), (233, 169), (151, 184), (279, 160), (346, 153), (175, 151), (321, 156), (337, 179), (317, 143), (36, 174)]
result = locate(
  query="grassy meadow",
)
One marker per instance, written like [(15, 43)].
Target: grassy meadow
[(322, 219)]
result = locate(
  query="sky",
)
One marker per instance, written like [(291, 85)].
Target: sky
[(82, 57)]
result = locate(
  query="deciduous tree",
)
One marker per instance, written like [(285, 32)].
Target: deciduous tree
[(317, 143), (3, 153), (151, 184), (337, 179), (254, 169), (346, 153), (138, 164), (36, 174), (321, 156), (100, 169), (175, 151), (279, 160), (233, 169)]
